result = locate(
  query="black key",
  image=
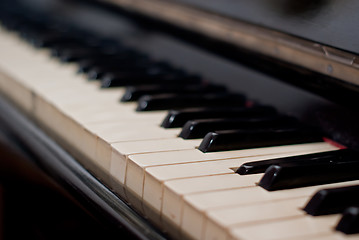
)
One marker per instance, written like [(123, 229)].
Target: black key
[(133, 93), (126, 64), (67, 43), (59, 48), (294, 175), (29, 32), (88, 64), (97, 72), (244, 139), (101, 65), (129, 77), (123, 62), (334, 200), (13, 23), (152, 74), (349, 223), (92, 51), (177, 118), (45, 39), (72, 55), (199, 128), (115, 72), (109, 45), (261, 166), (134, 79), (177, 101), (103, 45)]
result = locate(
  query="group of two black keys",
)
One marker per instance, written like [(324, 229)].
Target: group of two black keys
[(316, 169)]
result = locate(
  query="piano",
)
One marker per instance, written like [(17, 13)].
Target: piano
[(191, 119)]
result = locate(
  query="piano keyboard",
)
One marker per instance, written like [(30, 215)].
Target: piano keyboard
[(182, 190)]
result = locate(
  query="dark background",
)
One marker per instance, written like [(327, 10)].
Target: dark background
[(34, 206)]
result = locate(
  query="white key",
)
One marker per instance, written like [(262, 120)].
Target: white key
[(22, 97), (81, 94), (120, 151), (171, 204), (197, 205), (133, 132), (219, 221), (137, 164), (111, 113), (31, 67), (329, 236), (298, 227), (155, 177), (171, 193), (8, 82)]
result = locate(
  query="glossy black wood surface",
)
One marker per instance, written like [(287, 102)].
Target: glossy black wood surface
[(333, 23)]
